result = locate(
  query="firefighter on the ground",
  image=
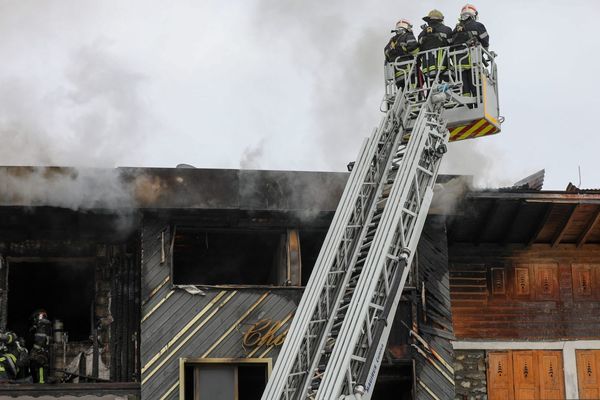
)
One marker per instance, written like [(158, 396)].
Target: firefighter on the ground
[(8, 360), (468, 32), (434, 35), (39, 357), (402, 47)]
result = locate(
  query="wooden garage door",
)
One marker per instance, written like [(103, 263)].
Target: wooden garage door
[(525, 375), (588, 365)]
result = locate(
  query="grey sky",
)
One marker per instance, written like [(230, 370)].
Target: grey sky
[(277, 84)]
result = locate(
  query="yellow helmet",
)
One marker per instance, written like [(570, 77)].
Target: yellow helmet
[(434, 15)]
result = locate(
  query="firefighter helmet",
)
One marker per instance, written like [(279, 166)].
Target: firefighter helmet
[(39, 315), (468, 11), (434, 15), (403, 24)]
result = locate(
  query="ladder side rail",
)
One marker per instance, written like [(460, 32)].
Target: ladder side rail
[(283, 368), (366, 377), (342, 347), (393, 267), (316, 281), (357, 251), (341, 353)]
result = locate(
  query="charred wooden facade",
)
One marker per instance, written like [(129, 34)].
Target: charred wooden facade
[(190, 277)]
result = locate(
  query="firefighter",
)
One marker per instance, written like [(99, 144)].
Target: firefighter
[(402, 47), (434, 36), (39, 355), (8, 361), (468, 32)]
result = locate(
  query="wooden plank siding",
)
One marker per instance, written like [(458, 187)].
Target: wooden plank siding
[(433, 366), (176, 324), (538, 294)]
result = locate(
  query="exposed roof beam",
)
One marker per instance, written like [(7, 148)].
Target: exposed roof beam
[(588, 229), (561, 232), (541, 224), (484, 225), (558, 197), (512, 222)]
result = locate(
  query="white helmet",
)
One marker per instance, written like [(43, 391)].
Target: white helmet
[(468, 11), (403, 24)]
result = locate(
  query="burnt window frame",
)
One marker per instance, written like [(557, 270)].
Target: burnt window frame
[(170, 251)]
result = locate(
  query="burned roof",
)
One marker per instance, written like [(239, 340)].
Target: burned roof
[(170, 188)]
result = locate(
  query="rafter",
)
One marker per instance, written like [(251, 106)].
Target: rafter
[(541, 224), (512, 222), (588, 229), (483, 227), (561, 232)]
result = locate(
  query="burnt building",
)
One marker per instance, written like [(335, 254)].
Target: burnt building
[(169, 282)]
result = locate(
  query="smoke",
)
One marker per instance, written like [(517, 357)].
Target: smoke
[(252, 156), (73, 188), (93, 119), (322, 37)]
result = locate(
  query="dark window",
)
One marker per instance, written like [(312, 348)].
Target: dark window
[(225, 257), (310, 246), (65, 290), (396, 380)]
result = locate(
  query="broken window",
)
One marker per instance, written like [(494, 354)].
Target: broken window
[(64, 289), (282, 257), (237, 380), (226, 257)]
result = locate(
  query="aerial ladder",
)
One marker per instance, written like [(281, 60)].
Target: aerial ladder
[(337, 339)]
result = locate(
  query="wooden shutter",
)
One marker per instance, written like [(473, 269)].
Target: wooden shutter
[(583, 281), (551, 375), (588, 367), (522, 281), (525, 375), (546, 282), (500, 376)]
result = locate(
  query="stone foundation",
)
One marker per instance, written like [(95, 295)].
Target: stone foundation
[(469, 375)]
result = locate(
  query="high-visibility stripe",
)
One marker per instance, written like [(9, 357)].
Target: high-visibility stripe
[(235, 324), (479, 128), (158, 305), (486, 130), (184, 330), (471, 129), (457, 130), (187, 338)]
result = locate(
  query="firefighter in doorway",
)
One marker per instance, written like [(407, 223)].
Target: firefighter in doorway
[(434, 35), (39, 357), (402, 47), (8, 361), (469, 32)]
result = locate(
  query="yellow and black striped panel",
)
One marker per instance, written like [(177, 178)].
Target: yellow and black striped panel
[(478, 128)]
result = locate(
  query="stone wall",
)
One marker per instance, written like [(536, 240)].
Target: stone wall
[(469, 375)]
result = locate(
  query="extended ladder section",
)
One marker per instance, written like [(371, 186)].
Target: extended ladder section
[(338, 336)]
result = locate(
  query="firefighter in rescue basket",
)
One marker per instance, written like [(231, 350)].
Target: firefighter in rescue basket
[(402, 47)]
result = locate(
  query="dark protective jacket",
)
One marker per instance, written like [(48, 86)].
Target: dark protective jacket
[(403, 45), (470, 32), (435, 35)]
